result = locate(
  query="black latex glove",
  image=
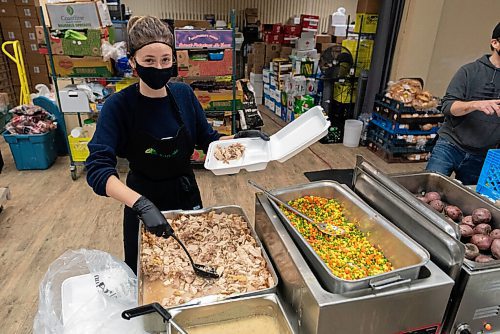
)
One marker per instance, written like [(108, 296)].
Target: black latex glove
[(152, 217), (252, 134)]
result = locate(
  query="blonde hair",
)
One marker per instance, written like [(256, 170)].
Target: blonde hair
[(144, 30)]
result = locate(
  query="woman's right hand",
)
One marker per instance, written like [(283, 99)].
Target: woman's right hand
[(152, 217)]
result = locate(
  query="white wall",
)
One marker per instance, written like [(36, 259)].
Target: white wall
[(270, 11), (439, 36)]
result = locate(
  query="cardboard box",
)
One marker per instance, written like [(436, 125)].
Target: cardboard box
[(323, 46), (67, 66), (369, 22), (305, 54), (368, 6), (306, 41), (271, 38), (30, 46), (27, 11), (26, 2), (89, 47), (292, 29), (56, 45), (210, 67), (14, 74), (309, 22), (29, 35), (182, 58), (40, 35), (323, 38), (339, 40), (7, 9), (27, 23), (257, 68), (285, 51), (33, 58), (272, 51), (259, 48), (79, 15), (251, 19), (197, 24), (10, 2), (219, 100), (251, 11), (10, 23), (12, 34)]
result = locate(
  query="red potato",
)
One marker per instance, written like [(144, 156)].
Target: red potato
[(466, 231), (483, 242), (482, 229), (467, 220), (481, 215), (481, 258), (495, 248), (437, 205), (432, 196), (495, 234), (471, 251), (453, 212)]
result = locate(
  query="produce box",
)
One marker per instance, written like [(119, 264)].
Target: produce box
[(66, 66), (369, 23), (218, 100), (199, 39), (78, 15), (209, 67), (89, 47)]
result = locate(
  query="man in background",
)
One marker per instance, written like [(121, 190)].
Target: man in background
[(472, 123)]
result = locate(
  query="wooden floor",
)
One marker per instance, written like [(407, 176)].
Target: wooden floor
[(49, 214)]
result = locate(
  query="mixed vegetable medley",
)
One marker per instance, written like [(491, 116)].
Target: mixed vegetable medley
[(350, 256)]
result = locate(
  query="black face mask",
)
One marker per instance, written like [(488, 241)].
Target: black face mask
[(155, 78)]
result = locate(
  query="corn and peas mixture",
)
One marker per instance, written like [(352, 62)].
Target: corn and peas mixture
[(350, 256)]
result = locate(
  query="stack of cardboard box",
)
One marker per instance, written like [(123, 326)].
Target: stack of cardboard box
[(18, 21), (77, 32)]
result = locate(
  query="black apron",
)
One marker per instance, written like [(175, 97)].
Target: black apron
[(160, 170)]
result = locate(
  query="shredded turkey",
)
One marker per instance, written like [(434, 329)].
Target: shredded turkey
[(222, 241), (230, 152)]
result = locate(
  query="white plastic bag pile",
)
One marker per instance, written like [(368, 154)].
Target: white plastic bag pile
[(85, 291)]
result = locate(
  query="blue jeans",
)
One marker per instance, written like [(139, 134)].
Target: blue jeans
[(447, 158)]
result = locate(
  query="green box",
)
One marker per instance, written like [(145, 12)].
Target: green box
[(91, 46), (303, 104)]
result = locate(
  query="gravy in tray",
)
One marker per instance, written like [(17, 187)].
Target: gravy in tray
[(250, 325)]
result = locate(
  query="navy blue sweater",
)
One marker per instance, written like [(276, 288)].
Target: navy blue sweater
[(127, 111)]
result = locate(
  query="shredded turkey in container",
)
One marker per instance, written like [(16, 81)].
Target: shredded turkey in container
[(223, 241), (230, 152)]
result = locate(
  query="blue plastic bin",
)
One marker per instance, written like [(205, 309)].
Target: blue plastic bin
[(489, 180), (32, 151)]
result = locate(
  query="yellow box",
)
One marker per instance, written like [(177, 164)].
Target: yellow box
[(66, 66), (79, 149), (370, 22), (342, 92), (122, 84), (219, 100)]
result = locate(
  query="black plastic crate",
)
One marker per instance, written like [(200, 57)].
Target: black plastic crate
[(388, 145), (400, 128), (391, 157), (400, 140)]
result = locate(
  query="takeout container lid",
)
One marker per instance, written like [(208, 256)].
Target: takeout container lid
[(293, 138)]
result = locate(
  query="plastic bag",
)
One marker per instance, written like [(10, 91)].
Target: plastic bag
[(114, 51), (85, 291)]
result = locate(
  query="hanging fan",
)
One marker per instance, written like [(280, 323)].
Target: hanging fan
[(335, 62)]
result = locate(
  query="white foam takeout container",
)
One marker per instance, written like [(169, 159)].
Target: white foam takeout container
[(293, 138)]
